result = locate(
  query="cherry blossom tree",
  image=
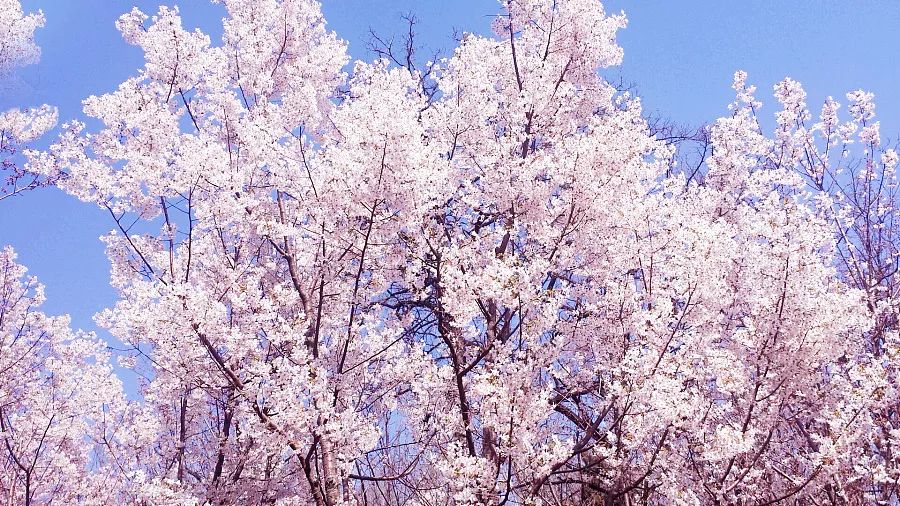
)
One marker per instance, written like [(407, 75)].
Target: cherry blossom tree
[(476, 283), (851, 173), (56, 387), (19, 127)]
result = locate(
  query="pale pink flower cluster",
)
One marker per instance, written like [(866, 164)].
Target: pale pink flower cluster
[(341, 289), (24, 126), (20, 127), (17, 47)]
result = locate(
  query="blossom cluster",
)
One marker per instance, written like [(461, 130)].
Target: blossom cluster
[(483, 284), (20, 127)]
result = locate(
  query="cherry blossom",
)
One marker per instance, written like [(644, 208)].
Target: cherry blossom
[(477, 283), (20, 127), (17, 29), (57, 391)]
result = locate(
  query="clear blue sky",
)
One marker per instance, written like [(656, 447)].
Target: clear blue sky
[(680, 54)]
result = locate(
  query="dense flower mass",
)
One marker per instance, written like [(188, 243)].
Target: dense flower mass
[(479, 282), (17, 31)]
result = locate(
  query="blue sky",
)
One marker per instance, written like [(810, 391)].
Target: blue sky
[(680, 54)]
